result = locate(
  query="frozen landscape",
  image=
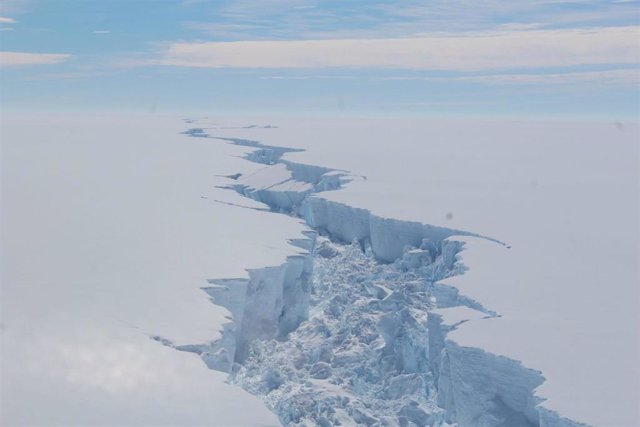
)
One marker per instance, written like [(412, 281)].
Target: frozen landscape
[(392, 272), (319, 213)]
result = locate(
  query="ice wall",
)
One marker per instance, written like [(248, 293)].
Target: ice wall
[(270, 304), (475, 387), (276, 186)]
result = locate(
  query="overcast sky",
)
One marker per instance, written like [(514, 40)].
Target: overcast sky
[(486, 58)]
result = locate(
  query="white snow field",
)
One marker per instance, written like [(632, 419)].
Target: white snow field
[(449, 272), (106, 242)]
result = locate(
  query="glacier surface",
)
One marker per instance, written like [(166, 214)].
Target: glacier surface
[(389, 302)]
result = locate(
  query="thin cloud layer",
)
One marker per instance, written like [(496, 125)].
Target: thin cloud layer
[(607, 77), (612, 77), (5, 20), (355, 19), (11, 59), (455, 52)]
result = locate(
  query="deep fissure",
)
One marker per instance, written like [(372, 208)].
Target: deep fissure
[(342, 334)]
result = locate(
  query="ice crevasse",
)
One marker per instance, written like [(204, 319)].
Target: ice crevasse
[(353, 330)]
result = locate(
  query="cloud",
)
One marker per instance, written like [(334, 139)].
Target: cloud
[(473, 14), (101, 31), (309, 77), (313, 19), (15, 7), (474, 51), (189, 3), (617, 77), (514, 26), (72, 75), (607, 77), (5, 20), (612, 77), (8, 59)]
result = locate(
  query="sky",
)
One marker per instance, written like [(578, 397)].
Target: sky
[(548, 59)]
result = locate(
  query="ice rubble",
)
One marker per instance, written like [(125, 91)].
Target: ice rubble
[(352, 331), (360, 357)]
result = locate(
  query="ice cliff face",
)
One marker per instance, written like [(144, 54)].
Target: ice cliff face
[(353, 329)]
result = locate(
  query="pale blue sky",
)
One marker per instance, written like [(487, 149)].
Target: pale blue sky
[(487, 58)]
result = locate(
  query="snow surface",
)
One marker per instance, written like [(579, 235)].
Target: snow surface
[(562, 196), (106, 246), (106, 241)]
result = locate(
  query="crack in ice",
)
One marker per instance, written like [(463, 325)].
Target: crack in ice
[(345, 333)]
